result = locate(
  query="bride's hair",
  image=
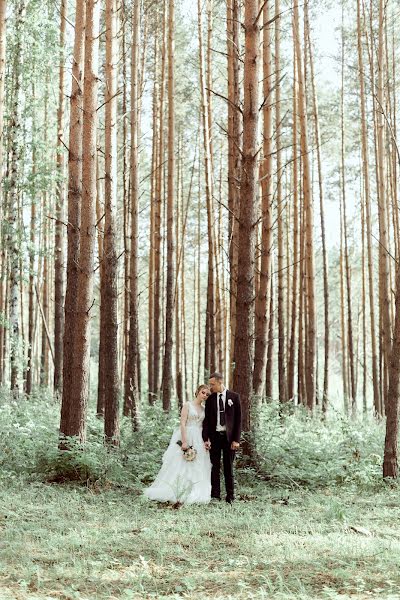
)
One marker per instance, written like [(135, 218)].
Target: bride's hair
[(202, 386)]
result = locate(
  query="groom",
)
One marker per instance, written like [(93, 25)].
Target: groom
[(221, 434)]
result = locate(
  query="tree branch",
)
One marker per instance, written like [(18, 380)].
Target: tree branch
[(235, 106)]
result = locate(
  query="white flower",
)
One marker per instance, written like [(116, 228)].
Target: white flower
[(230, 402)]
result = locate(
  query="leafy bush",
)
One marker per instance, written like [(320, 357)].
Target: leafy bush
[(292, 448), (29, 439), (295, 448)]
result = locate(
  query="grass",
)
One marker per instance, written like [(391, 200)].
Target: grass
[(73, 542), (291, 536)]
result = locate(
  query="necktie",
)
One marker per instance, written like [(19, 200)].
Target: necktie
[(221, 411)]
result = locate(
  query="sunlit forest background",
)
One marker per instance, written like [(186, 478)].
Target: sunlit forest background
[(341, 54), (190, 186)]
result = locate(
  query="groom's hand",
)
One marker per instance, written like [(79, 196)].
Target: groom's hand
[(235, 446), (207, 445)]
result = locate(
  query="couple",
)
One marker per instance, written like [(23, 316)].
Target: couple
[(211, 430)]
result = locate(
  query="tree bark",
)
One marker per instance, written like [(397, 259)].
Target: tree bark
[(59, 213), (322, 221), (295, 251), (132, 397), (67, 424), (353, 398), (178, 255), (100, 216), (109, 291), (261, 305), (390, 459), (13, 217), (169, 314), (210, 332), (382, 206), (152, 391), (31, 292), (85, 300), (158, 271), (3, 207), (308, 224), (269, 381), (343, 319), (244, 340), (234, 161), (282, 381)]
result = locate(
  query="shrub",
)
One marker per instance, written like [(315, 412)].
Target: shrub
[(293, 447)]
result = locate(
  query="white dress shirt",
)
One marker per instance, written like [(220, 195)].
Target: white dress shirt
[(219, 426)]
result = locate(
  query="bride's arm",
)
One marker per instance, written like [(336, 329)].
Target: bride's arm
[(184, 415)]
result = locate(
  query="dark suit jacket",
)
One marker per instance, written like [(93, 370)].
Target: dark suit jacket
[(233, 417)]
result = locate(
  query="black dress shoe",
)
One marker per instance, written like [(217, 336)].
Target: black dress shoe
[(215, 499), (229, 500)]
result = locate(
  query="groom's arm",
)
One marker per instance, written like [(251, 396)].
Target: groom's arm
[(237, 426)]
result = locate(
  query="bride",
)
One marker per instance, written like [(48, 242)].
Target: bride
[(180, 479)]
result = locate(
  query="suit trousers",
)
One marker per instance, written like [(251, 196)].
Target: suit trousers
[(220, 445)]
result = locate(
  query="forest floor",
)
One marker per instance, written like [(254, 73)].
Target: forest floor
[(73, 542), (314, 521)]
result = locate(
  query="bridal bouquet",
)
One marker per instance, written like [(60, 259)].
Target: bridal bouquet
[(189, 454)]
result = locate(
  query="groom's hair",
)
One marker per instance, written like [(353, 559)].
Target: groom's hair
[(217, 375)]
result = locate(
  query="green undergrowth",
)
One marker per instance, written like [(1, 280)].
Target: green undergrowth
[(292, 449), (313, 518)]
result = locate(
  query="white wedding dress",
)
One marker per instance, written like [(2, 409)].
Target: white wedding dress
[(179, 480)]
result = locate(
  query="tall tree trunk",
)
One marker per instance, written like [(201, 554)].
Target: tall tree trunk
[(184, 360), (322, 219), (342, 318), (109, 291), (364, 305), (31, 292), (295, 252), (198, 276), (234, 160), (209, 80), (125, 182), (382, 206), (152, 391), (244, 344), (169, 314), (308, 223), (100, 216), (366, 181), (46, 253), (217, 284), (85, 300), (44, 358), (178, 255), (390, 459), (210, 333), (282, 381), (158, 271), (13, 191), (301, 335), (132, 397), (352, 390), (269, 381), (59, 212), (261, 305), (3, 29), (67, 424), (3, 308), (3, 208)]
